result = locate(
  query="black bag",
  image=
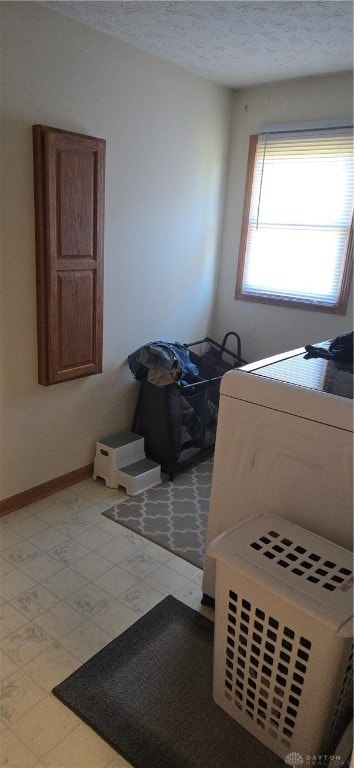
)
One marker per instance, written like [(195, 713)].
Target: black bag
[(340, 350)]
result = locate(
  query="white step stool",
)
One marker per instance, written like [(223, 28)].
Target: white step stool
[(139, 476), (120, 449), (120, 461)]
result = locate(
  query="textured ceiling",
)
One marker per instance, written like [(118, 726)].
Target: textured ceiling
[(235, 43)]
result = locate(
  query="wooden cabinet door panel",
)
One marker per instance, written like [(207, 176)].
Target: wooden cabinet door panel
[(69, 194), (76, 312)]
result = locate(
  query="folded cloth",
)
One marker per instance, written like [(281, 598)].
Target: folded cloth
[(161, 356), (162, 378)]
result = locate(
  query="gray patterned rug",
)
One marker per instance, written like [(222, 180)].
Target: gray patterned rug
[(173, 514)]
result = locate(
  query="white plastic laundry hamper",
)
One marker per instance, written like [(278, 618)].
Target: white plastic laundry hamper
[(283, 635)]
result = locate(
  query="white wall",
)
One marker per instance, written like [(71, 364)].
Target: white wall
[(167, 139), (265, 329)]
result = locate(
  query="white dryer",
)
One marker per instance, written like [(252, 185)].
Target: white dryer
[(284, 447)]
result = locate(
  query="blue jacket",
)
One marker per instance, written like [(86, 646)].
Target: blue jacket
[(162, 356)]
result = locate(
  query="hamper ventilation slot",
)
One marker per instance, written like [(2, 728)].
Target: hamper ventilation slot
[(298, 560), (264, 679), (342, 703)]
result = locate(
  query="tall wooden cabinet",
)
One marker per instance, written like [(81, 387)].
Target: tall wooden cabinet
[(69, 173)]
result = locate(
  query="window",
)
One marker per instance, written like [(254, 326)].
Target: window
[(296, 238)]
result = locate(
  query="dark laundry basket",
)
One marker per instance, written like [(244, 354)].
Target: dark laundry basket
[(178, 421)]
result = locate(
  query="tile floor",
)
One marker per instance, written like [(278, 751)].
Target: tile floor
[(70, 582)]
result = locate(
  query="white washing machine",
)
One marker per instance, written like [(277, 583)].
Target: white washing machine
[(284, 447)]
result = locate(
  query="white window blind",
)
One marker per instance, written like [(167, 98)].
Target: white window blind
[(300, 213)]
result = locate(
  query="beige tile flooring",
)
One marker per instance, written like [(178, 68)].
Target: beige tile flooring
[(71, 581)]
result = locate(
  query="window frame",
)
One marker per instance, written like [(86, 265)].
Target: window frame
[(339, 308)]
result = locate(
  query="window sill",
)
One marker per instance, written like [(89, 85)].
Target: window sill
[(333, 309)]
